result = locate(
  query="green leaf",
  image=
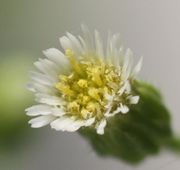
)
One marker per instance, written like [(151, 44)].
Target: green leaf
[(140, 132)]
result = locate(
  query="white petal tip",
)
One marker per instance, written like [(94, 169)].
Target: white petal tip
[(40, 121), (134, 99), (101, 126), (65, 42), (30, 87), (137, 67), (124, 109)]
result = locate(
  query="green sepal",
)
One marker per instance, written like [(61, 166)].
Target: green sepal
[(143, 131)]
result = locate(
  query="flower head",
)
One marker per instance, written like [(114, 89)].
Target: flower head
[(83, 86)]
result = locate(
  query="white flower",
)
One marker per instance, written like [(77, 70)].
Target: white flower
[(83, 86)]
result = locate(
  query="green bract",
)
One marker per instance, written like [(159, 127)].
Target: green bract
[(141, 132)]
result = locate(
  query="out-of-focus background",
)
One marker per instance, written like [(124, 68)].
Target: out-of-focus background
[(150, 28)]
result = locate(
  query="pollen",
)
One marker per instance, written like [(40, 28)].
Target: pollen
[(94, 93), (86, 88), (82, 83)]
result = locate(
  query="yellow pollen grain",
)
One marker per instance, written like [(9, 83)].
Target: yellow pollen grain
[(85, 99), (97, 76), (63, 78), (85, 113), (64, 89), (94, 93), (92, 106), (74, 106), (82, 83)]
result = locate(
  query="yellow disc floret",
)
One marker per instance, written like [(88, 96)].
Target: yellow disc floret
[(86, 88)]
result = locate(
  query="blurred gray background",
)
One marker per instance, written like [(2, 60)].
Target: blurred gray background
[(150, 28)]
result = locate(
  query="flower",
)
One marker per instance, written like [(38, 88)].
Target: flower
[(83, 86)]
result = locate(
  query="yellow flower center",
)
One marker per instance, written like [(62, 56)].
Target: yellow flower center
[(86, 88)]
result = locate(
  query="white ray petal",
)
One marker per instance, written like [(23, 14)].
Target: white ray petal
[(108, 48), (40, 109), (58, 111), (48, 99), (39, 88), (124, 88), (134, 99), (118, 110), (50, 65), (89, 122), (42, 78), (99, 45), (30, 87), (84, 46), (46, 67), (126, 68), (65, 42), (137, 68), (114, 42), (101, 126), (76, 46), (69, 124), (61, 123), (74, 126), (87, 38), (41, 121), (117, 59), (128, 87), (121, 55), (58, 57), (40, 66), (123, 109)]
